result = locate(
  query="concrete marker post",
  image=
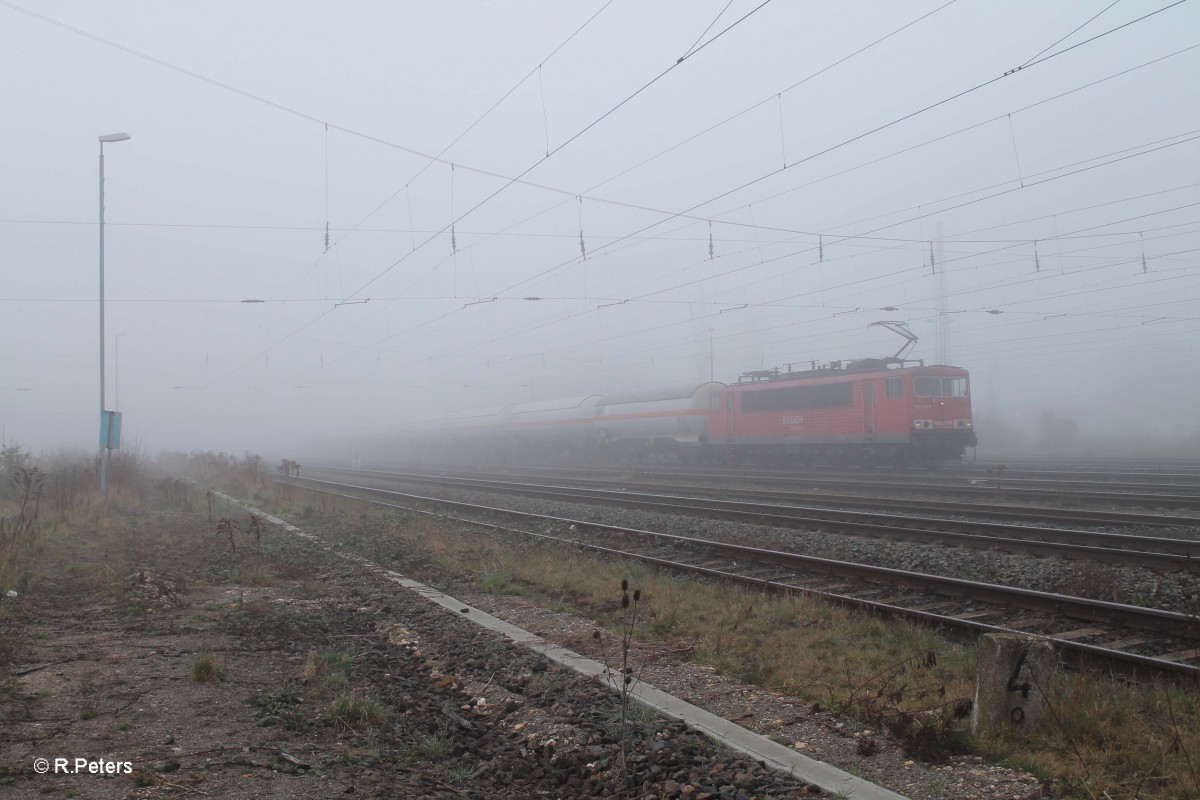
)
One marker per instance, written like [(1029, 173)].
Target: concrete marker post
[(1011, 679)]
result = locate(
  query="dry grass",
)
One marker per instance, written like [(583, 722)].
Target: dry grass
[(355, 711), (1113, 738), (206, 669)]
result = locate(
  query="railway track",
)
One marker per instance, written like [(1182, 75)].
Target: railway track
[(1162, 553), (1164, 468), (1082, 628), (655, 482), (926, 482)]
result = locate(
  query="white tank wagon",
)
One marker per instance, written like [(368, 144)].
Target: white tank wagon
[(659, 419), (564, 422), (548, 430)]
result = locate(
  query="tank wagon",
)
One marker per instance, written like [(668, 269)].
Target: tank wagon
[(877, 409)]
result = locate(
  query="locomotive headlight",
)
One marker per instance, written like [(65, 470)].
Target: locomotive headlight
[(962, 423), (923, 423)]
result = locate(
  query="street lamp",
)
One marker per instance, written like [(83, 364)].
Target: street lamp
[(105, 421)]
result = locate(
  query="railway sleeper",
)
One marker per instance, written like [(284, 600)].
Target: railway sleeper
[(1182, 655), (1079, 633), (1129, 641)]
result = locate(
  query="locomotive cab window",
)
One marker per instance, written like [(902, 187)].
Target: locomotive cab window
[(939, 387), (894, 387)]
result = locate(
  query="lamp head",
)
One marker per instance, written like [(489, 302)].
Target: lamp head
[(115, 137)]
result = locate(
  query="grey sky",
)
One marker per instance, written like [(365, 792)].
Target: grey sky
[(224, 192)]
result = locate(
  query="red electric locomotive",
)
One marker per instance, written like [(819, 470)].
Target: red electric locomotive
[(873, 409)]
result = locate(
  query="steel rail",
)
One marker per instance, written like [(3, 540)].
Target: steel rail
[(1155, 553), (1138, 618), (1033, 513), (950, 475), (971, 487), (986, 487)]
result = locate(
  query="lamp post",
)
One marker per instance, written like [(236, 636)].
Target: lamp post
[(117, 370), (104, 427)]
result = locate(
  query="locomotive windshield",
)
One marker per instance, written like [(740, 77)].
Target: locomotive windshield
[(939, 387)]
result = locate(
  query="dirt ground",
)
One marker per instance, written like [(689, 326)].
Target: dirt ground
[(112, 670), (153, 660)]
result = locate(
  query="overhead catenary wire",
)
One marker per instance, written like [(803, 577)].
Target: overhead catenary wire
[(412, 329), (518, 179), (413, 230), (1140, 240), (1059, 41), (870, 132), (635, 332), (766, 100), (847, 238), (704, 32), (573, 137), (1023, 240), (485, 172), (659, 342), (628, 333)]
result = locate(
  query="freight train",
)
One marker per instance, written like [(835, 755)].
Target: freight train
[(888, 409)]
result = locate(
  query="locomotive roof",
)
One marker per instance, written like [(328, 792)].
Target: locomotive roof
[(837, 368)]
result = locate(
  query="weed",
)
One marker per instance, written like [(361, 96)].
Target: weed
[(326, 661), (279, 704), (88, 706), (908, 701), (143, 779), (1089, 579), (328, 668), (435, 747), (462, 773), (622, 676), (256, 527), (663, 624), (333, 682), (253, 575), (494, 582), (205, 669), (229, 527), (18, 533), (353, 709), (547, 684), (620, 722)]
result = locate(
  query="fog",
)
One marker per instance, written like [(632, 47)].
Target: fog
[(439, 206)]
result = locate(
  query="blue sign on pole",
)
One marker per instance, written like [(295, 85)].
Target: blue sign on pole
[(110, 430)]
